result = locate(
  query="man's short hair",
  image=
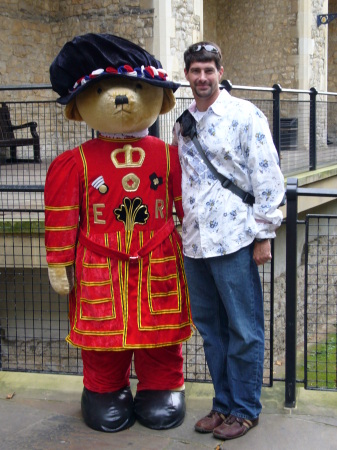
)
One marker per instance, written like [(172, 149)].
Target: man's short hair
[(203, 51)]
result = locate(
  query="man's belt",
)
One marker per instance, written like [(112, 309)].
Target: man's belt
[(150, 245)]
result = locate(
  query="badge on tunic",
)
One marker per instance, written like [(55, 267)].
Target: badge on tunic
[(100, 185), (155, 181), (132, 211), (128, 156), (130, 182)]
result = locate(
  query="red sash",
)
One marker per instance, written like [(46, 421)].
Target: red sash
[(150, 245)]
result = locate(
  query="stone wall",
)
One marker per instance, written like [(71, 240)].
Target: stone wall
[(132, 19), (263, 42), (34, 32), (319, 59), (258, 40), (25, 42), (33, 35), (332, 48), (187, 29)]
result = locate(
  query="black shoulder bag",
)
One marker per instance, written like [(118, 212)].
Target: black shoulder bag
[(188, 129)]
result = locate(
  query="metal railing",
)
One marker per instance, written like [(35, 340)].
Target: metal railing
[(327, 279), (34, 320), (303, 122)]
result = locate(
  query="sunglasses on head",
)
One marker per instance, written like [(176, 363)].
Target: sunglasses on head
[(207, 47)]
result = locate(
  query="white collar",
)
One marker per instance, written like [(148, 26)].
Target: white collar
[(136, 134), (217, 106)]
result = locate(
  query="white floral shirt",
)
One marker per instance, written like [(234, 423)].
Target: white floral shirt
[(236, 139)]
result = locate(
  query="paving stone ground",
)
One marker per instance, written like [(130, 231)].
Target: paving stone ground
[(44, 413)]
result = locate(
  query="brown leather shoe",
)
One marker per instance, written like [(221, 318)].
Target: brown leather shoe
[(209, 422), (234, 427)]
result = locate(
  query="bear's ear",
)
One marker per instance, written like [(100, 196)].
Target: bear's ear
[(71, 111), (168, 101)]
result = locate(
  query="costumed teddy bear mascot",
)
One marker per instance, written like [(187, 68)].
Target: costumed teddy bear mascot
[(110, 237)]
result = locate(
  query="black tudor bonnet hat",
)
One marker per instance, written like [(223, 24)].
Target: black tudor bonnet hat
[(91, 57)]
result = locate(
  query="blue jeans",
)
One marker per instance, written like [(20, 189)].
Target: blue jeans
[(227, 309)]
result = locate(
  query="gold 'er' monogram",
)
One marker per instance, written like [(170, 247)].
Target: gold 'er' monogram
[(128, 156)]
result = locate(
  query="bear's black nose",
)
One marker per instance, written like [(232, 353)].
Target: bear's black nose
[(121, 100)]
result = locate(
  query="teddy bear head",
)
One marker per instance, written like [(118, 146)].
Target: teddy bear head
[(111, 84)]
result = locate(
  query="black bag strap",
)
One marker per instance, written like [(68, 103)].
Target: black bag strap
[(226, 183), (188, 128)]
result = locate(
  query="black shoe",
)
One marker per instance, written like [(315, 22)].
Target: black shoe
[(110, 412), (160, 410)]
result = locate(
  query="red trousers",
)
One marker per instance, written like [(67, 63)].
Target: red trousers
[(156, 369)]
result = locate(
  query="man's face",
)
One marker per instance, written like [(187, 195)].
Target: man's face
[(204, 79)]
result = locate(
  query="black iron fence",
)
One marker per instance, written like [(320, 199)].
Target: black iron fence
[(320, 312), (320, 301), (33, 319)]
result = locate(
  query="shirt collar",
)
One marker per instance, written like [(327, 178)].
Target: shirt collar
[(217, 107), (219, 104)]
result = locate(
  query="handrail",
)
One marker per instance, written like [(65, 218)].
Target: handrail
[(23, 87), (225, 84), (22, 188)]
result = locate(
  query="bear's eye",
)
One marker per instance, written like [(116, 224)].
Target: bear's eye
[(139, 86), (99, 90)]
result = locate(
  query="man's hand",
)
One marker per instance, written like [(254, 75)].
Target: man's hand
[(262, 252)]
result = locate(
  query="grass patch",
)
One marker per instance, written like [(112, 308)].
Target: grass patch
[(322, 364), (23, 227)]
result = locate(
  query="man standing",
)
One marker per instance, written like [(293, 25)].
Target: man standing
[(225, 237)]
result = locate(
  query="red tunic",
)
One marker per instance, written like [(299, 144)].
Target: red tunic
[(109, 210)]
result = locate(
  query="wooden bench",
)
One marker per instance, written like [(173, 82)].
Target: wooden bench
[(8, 139)]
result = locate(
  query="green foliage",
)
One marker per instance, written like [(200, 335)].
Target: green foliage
[(22, 227), (322, 363)]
